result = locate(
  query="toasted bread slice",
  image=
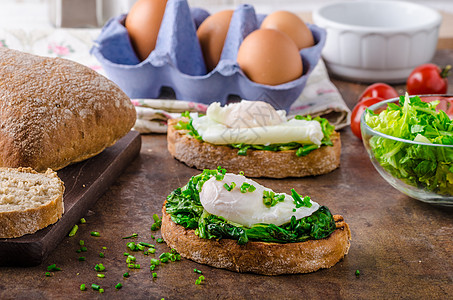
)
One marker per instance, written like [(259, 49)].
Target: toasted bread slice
[(29, 201), (257, 163), (259, 257)]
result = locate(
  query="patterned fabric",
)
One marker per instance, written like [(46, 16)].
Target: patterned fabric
[(320, 96)]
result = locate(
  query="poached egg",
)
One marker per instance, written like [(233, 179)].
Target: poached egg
[(248, 208), (254, 122)]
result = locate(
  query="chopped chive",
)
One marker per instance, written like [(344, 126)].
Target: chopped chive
[(118, 286), (95, 287), (155, 261), (199, 280), (134, 235), (82, 221), (78, 250), (104, 248), (131, 258), (82, 258), (125, 275), (48, 274), (101, 255), (81, 242), (229, 187), (126, 254), (140, 247), (164, 259), (160, 240), (152, 236), (101, 275), (157, 222), (152, 267), (99, 267), (131, 246), (95, 233), (131, 266), (152, 250), (146, 244), (73, 230), (197, 271), (83, 287), (357, 273), (137, 266), (53, 268), (83, 249), (101, 291), (154, 275)]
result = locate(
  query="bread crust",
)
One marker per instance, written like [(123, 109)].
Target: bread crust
[(20, 222), (259, 257), (257, 163), (54, 112)]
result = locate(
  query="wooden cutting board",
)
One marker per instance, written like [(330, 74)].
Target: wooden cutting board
[(85, 182)]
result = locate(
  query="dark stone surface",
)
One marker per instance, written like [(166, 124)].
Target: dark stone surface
[(402, 247)]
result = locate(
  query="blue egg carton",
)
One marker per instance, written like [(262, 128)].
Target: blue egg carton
[(177, 60)]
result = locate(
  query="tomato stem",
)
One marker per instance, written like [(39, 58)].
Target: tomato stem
[(445, 71)]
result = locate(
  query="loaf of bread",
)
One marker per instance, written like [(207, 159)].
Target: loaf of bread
[(257, 163), (259, 257), (29, 201), (55, 112)]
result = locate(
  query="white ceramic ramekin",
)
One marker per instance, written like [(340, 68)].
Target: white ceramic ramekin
[(377, 40)]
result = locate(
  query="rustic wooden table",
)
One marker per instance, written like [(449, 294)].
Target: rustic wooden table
[(403, 248)]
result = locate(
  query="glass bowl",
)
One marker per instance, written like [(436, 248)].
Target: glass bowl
[(438, 191)]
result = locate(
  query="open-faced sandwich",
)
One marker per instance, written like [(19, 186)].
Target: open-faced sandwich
[(232, 222), (253, 137)]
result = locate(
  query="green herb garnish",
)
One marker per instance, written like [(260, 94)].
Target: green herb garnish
[(99, 267), (229, 187), (300, 202), (95, 233), (53, 268), (270, 199), (83, 287), (118, 286), (134, 235), (73, 230), (247, 187), (157, 222), (199, 280)]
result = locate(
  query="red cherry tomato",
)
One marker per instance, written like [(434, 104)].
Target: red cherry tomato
[(428, 79), (358, 111), (380, 90)]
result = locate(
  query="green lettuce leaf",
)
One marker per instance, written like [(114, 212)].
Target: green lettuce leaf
[(416, 164)]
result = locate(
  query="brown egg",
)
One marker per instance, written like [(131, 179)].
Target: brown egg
[(211, 34), (143, 24), (292, 25), (268, 56)]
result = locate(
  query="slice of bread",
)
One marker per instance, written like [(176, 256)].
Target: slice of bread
[(29, 201), (259, 257), (257, 163)]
